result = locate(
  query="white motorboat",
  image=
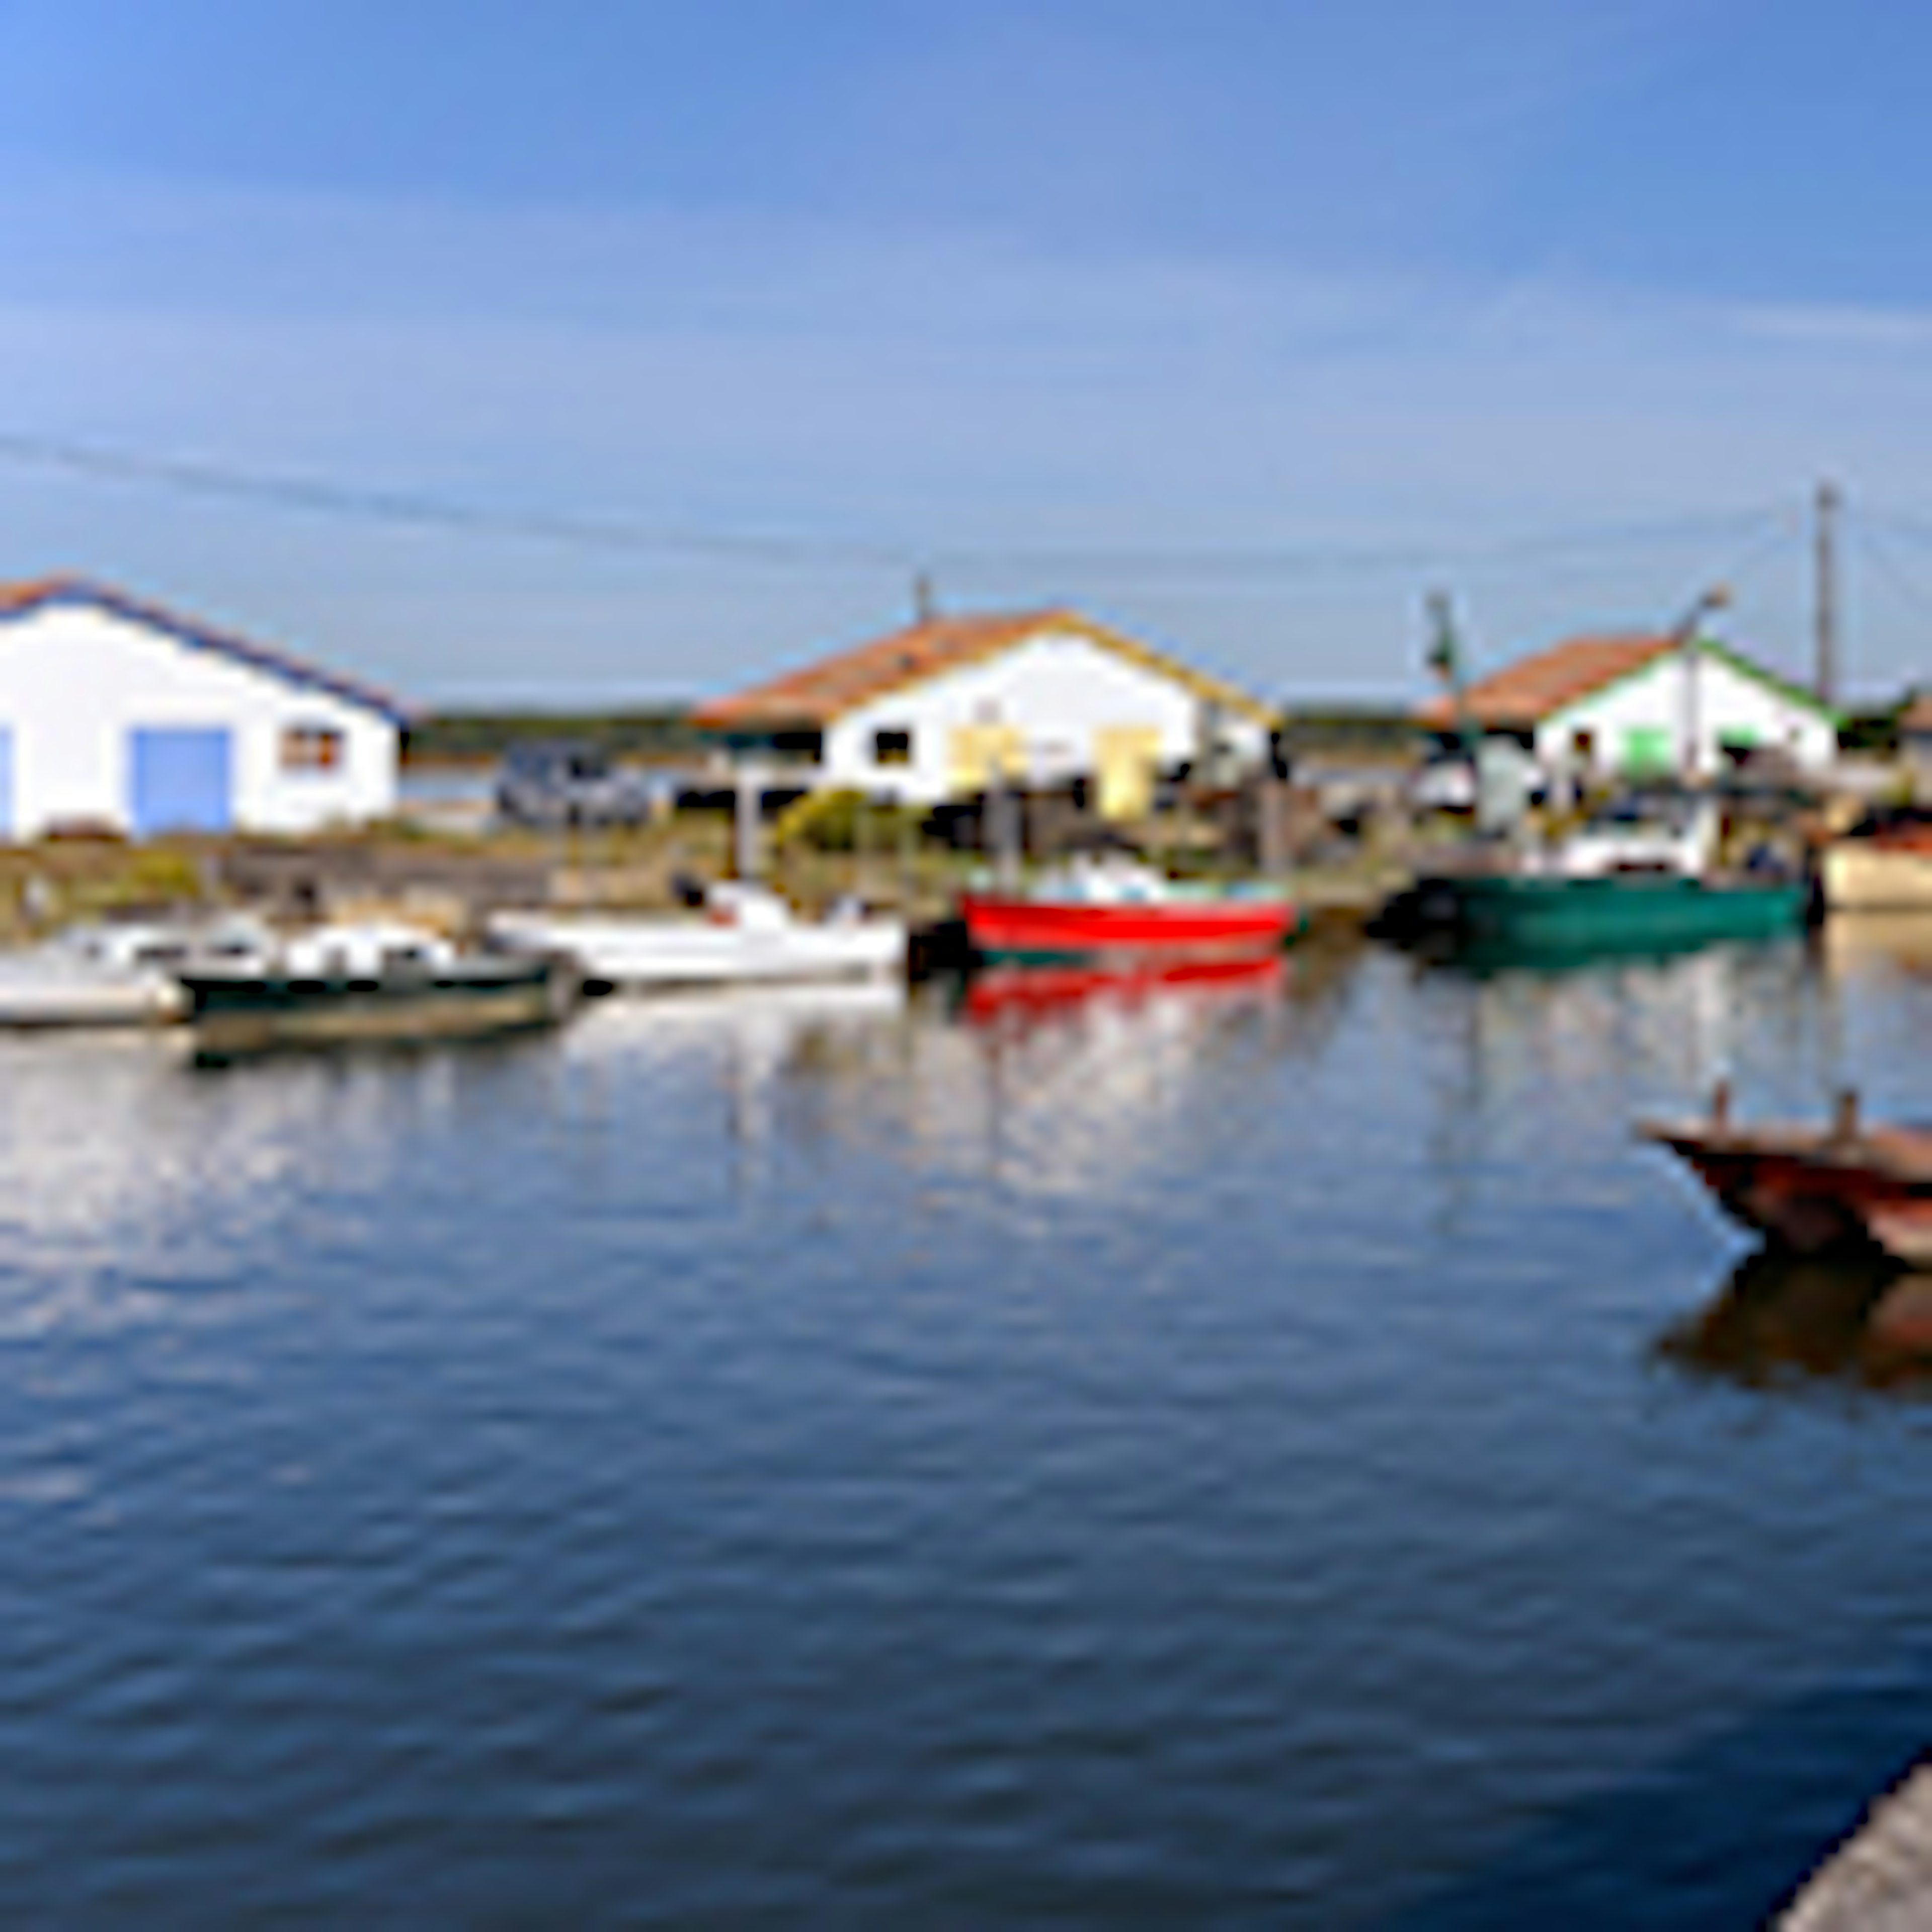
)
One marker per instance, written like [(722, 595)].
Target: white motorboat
[(746, 934), (117, 974)]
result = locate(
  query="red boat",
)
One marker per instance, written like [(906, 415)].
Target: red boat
[(1814, 1190), (1098, 912)]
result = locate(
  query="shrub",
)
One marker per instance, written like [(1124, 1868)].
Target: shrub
[(842, 821)]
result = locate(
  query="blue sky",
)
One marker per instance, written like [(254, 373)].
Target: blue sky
[(1242, 323)]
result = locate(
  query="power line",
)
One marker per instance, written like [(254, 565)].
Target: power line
[(385, 505), (1906, 524), (1319, 559), (193, 477), (1874, 549)]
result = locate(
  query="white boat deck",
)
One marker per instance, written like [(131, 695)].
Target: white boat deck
[(747, 935)]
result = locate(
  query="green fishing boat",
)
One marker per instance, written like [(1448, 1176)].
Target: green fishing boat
[(1623, 911), (1636, 876)]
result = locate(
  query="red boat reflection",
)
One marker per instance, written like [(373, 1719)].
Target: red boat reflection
[(999, 990)]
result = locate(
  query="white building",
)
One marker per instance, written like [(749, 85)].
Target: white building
[(1627, 706), (112, 713), (942, 709)]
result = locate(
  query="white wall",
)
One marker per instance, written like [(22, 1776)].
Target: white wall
[(1727, 702), (76, 679), (1059, 689)]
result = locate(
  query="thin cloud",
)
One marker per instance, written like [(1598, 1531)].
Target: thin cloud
[(945, 393)]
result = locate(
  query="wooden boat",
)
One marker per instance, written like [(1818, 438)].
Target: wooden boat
[(1883, 864), (747, 935), (342, 985), (1114, 911), (1638, 875), (118, 973), (1845, 1187)]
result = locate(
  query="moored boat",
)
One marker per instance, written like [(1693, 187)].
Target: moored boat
[(338, 986), (746, 935), (1639, 875), (1123, 912), (1844, 1186), (1623, 912), (118, 973), (1883, 864)]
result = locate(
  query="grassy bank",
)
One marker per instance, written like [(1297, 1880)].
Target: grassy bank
[(56, 882)]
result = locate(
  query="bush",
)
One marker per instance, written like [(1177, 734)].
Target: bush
[(842, 821)]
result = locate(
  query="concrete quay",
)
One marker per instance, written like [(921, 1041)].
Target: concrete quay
[(1880, 1879)]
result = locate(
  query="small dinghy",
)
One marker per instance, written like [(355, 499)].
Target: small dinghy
[(118, 973), (340, 985)]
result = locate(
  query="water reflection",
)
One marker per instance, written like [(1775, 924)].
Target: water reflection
[(129, 1178), (763, 1031), (1781, 1318), (1869, 945), (1016, 998), (780, 1061), (1074, 1084), (755, 1423), (1489, 959), (1636, 1035)]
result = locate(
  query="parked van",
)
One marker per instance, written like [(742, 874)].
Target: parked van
[(551, 783)]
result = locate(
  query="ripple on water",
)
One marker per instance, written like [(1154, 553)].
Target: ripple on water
[(1174, 1461)]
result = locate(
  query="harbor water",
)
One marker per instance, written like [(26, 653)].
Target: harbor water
[(1275, 1451)]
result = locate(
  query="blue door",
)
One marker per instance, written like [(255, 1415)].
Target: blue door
[(6, 782), (181, 779)]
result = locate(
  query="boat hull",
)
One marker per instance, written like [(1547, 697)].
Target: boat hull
[(35, 1003), (238, 1014), (1619, 912), (1876, 875), (1816, 1192), (643, 955), (1021, 931)]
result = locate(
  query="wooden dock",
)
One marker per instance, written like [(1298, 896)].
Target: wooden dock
[(1880, 1880)]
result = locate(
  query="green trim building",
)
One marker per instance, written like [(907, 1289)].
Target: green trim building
[(1604, 706)]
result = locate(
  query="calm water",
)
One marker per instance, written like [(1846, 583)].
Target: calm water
[(1246, 1456)]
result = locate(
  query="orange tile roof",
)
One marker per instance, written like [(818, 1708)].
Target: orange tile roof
[(1917, 716), (821, 692), (1528, 692)]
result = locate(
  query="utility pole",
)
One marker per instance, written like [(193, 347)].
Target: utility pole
[(1686, 636), (748, 785), (1445, 659), (1825, 571), (925, 598)]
